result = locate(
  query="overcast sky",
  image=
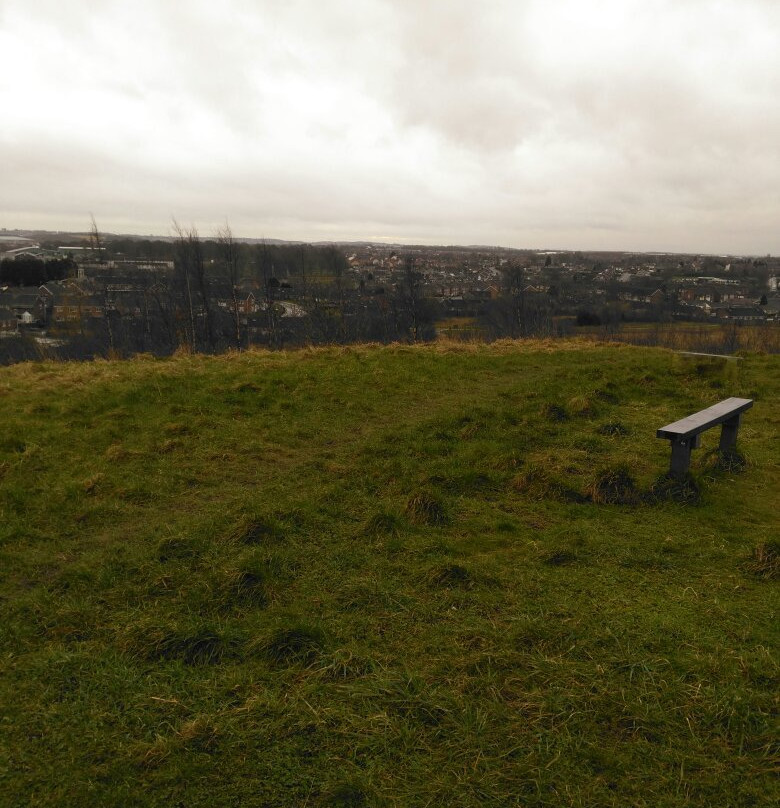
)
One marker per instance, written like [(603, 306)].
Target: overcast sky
[(611, 124)]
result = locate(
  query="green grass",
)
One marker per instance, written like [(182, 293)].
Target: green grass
[(402, 576)]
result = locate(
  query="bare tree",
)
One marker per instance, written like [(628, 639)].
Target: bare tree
[(95, 240), (183, 262), (417, 310), (230, 256), (270, 285)]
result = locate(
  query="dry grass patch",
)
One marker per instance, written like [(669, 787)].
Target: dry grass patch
[(426, 507), (765, 561), (614, 486)]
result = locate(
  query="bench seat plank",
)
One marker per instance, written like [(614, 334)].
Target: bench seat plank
[(699, 421)]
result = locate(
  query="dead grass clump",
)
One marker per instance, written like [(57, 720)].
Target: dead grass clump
[(765, 561), (731, 461), (537, 483), (425, 507), (177, 429), (581, 407), (197, 734), (153, 755), (344, 665), (91, 485), (614, 486), (116, 452)]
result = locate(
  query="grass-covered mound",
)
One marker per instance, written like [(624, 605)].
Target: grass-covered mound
[(386, 576)]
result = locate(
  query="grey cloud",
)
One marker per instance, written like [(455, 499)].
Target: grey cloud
[(496, 122)]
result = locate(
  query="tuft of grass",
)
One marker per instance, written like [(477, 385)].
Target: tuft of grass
[(450, 576), (608, 394), (555, 413), (383, 523), (116, 453), (426, 507), (346, 795), (543, 634), (613, 429), (614, 486), (297, 644), (248, 585), (732, 461), (177, 548), (92, 484), (581, 407), (174, 428), (537, 483), (558, 558), (765, 561), (194, 643), (343, 665), (667, 488), (256, 530)]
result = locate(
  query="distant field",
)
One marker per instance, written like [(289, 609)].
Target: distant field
[(707, 337), (448, 575)]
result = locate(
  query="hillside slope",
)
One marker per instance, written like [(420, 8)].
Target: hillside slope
[(400, 576)]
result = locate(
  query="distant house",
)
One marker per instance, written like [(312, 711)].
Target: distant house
[(740, 314), (639, 295), (73, 302), (657, 297), (772, 308), (25, 302)]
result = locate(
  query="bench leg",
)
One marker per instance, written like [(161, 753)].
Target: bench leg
[(681, 455), (728, 435)]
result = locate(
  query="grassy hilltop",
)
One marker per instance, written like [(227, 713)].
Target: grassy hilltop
[(401, 576)]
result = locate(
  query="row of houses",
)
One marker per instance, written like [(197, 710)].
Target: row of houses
[(81, 299)]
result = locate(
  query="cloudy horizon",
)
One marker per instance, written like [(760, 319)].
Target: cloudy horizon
[(608, 125)]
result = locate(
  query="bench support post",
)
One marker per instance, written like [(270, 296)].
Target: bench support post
[(728, 435), (681, 455)]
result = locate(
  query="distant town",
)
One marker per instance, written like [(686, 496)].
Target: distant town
[(82, 295)]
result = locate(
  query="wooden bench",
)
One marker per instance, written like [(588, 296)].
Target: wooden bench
[(684, 434)]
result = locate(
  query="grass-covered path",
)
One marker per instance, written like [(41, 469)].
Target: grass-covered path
[(385, 576)]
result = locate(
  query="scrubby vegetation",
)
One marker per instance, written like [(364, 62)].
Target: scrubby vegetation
[(400, 576)]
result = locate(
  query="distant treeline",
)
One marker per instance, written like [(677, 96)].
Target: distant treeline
[(221, 294), (29, 271)]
